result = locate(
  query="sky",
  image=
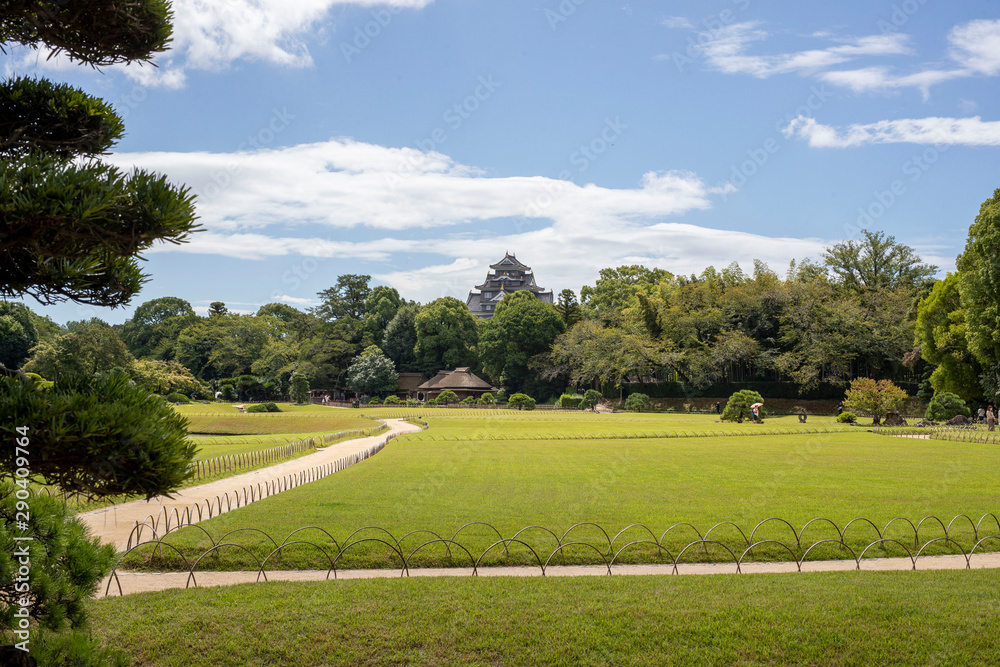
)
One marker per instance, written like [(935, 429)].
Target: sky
[(418, 141)]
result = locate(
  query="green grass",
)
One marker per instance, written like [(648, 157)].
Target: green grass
[(272, 423), (841, 618), (440, 486)]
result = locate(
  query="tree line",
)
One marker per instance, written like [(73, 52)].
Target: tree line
[(869, 307)]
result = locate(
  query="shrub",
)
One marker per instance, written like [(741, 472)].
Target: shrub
[(590, 399), (738, 406), (875, 399), (375, 400), (468, 400), (486, 399), (447, 396), (263, 407), (521, 402), (569, 401), (847, 418), (391, 399), (228, 392), (945, 405), (412, 401), (432, 401), (178, 398), (300, 388), (637, 402)]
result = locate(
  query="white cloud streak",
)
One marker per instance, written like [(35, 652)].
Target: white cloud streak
[(939, 131), (727, 52), (425, 204)]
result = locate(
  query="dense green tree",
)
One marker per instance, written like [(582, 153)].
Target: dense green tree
[(940, 335), (446, 336), (381, 307), (154, 327), (300, 388), (616, 288), (521, 329), (593, 353), (400, 339), (17, 334), (346, 299), (89, 347), (979, 285), (568, 308), (167, 377), (223, 346), (876, 261), (217, 309), (372, 373)]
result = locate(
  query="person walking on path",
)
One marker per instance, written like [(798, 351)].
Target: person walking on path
[(991, 419), (982, 415)]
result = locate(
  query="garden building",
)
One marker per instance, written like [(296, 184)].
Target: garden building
[(462, 381)]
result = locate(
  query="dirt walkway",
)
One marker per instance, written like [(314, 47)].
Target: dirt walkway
[(140, 582), (117, 524)]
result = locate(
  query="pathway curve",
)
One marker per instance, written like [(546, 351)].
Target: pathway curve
[(115, 524), (141, 582)]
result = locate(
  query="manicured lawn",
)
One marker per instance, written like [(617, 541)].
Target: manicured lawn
[(843, 618), (232, 422), (441, 486)]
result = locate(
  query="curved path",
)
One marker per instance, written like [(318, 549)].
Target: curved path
[(115, 524)]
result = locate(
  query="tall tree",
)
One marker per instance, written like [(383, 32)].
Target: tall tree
[(615, 289), (381, 306), (153, 329), (400, 339), (446, 336), (372, 373), (17, 334), (521, 329), (346, 299), (88, 348), (941, 337), (568, 307), (74, 231), (876, 261), (979, 286)]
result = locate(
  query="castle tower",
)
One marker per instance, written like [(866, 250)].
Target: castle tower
[(506, 276)]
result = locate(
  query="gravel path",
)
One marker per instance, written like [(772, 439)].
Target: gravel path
[(116, 524), (140, 582)]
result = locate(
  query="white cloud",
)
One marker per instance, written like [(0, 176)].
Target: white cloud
[(974, 48), (941, 131), (380, 204), (212, 35), (343, 183), (295, 301), (726, 52)]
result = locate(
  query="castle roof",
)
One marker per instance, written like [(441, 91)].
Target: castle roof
[(510, 262)]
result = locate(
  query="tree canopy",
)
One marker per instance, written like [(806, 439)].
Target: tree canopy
[(446, 336), (520, 331), (876, 261)]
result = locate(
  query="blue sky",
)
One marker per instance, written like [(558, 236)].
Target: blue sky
[(419, 140)]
